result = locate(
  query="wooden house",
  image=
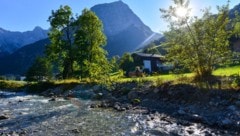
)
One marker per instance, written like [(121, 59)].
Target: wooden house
[(150, 62)]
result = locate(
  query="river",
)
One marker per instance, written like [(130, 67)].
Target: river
[(37, 116)]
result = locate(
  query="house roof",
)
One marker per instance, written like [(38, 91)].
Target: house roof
[(150, 55)]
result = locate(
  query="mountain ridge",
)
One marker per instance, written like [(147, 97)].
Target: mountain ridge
[(10, 41), (123, 28)]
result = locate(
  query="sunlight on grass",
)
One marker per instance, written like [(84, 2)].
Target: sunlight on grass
[(165, 78), (4, 84), (67, 81), (227, 71)]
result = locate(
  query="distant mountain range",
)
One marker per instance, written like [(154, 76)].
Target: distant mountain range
[(11, 41), (124, 30), (19, 61)]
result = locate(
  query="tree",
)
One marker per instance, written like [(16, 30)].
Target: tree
[(77, 44), (114, 62), (40, 70), (127, 63), (61, 50), (90, 41), (198, 44)]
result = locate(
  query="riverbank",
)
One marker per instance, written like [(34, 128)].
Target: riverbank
[(182, 104)]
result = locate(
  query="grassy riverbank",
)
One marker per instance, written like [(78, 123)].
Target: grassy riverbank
[(231, 74)]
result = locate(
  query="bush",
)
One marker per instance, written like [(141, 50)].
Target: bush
[(40, 87), (235, 80)]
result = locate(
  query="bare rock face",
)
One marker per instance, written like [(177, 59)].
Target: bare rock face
[(117, 17), (124, 30)]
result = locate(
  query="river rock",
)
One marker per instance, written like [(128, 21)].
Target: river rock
[(105, 104), (117, 106), (133, 95), (156, 90), (2, 117), (196, 118), (98, 96), (232, 108), (237, 103), (181, 111), (52, 99), (226, 123)]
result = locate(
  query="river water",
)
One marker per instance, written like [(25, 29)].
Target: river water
[(36, 115)]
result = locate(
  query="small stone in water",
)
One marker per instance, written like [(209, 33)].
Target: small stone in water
[(53, 99), (190, 132), (2, 117)]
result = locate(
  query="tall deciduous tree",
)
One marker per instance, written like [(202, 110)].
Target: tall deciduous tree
[(197, 44), (77, 44), (90, 41), (61, 49)]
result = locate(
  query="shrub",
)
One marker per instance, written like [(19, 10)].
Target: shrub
[(40, 87)]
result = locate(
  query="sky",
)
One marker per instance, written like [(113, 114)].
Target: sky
[(24, 15)]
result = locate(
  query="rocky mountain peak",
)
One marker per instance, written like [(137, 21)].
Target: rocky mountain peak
[(2, 30), (117, 16), (38, 29), (235, 9)]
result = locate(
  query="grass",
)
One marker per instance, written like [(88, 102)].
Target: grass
[(5, 84), (69, 83), (227, 71), (164, 77)]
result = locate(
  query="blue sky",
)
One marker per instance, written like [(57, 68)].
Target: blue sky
[(23, 15)]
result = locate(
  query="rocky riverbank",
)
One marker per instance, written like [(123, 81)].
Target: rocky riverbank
[(211, 112), (187, 104)]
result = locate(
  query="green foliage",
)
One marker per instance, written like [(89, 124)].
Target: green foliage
[(40, 87), (90, 41), (61, 49), (158, 82), (198, 44), (77, 44), (236, 26), (40, 70), (2, 78), (127, 62), (236, 80), (114, 62)]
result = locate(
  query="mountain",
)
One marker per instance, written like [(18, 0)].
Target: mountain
[(11, 41), (235, 41), (124, 30), (19, 61), (233, 10)]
